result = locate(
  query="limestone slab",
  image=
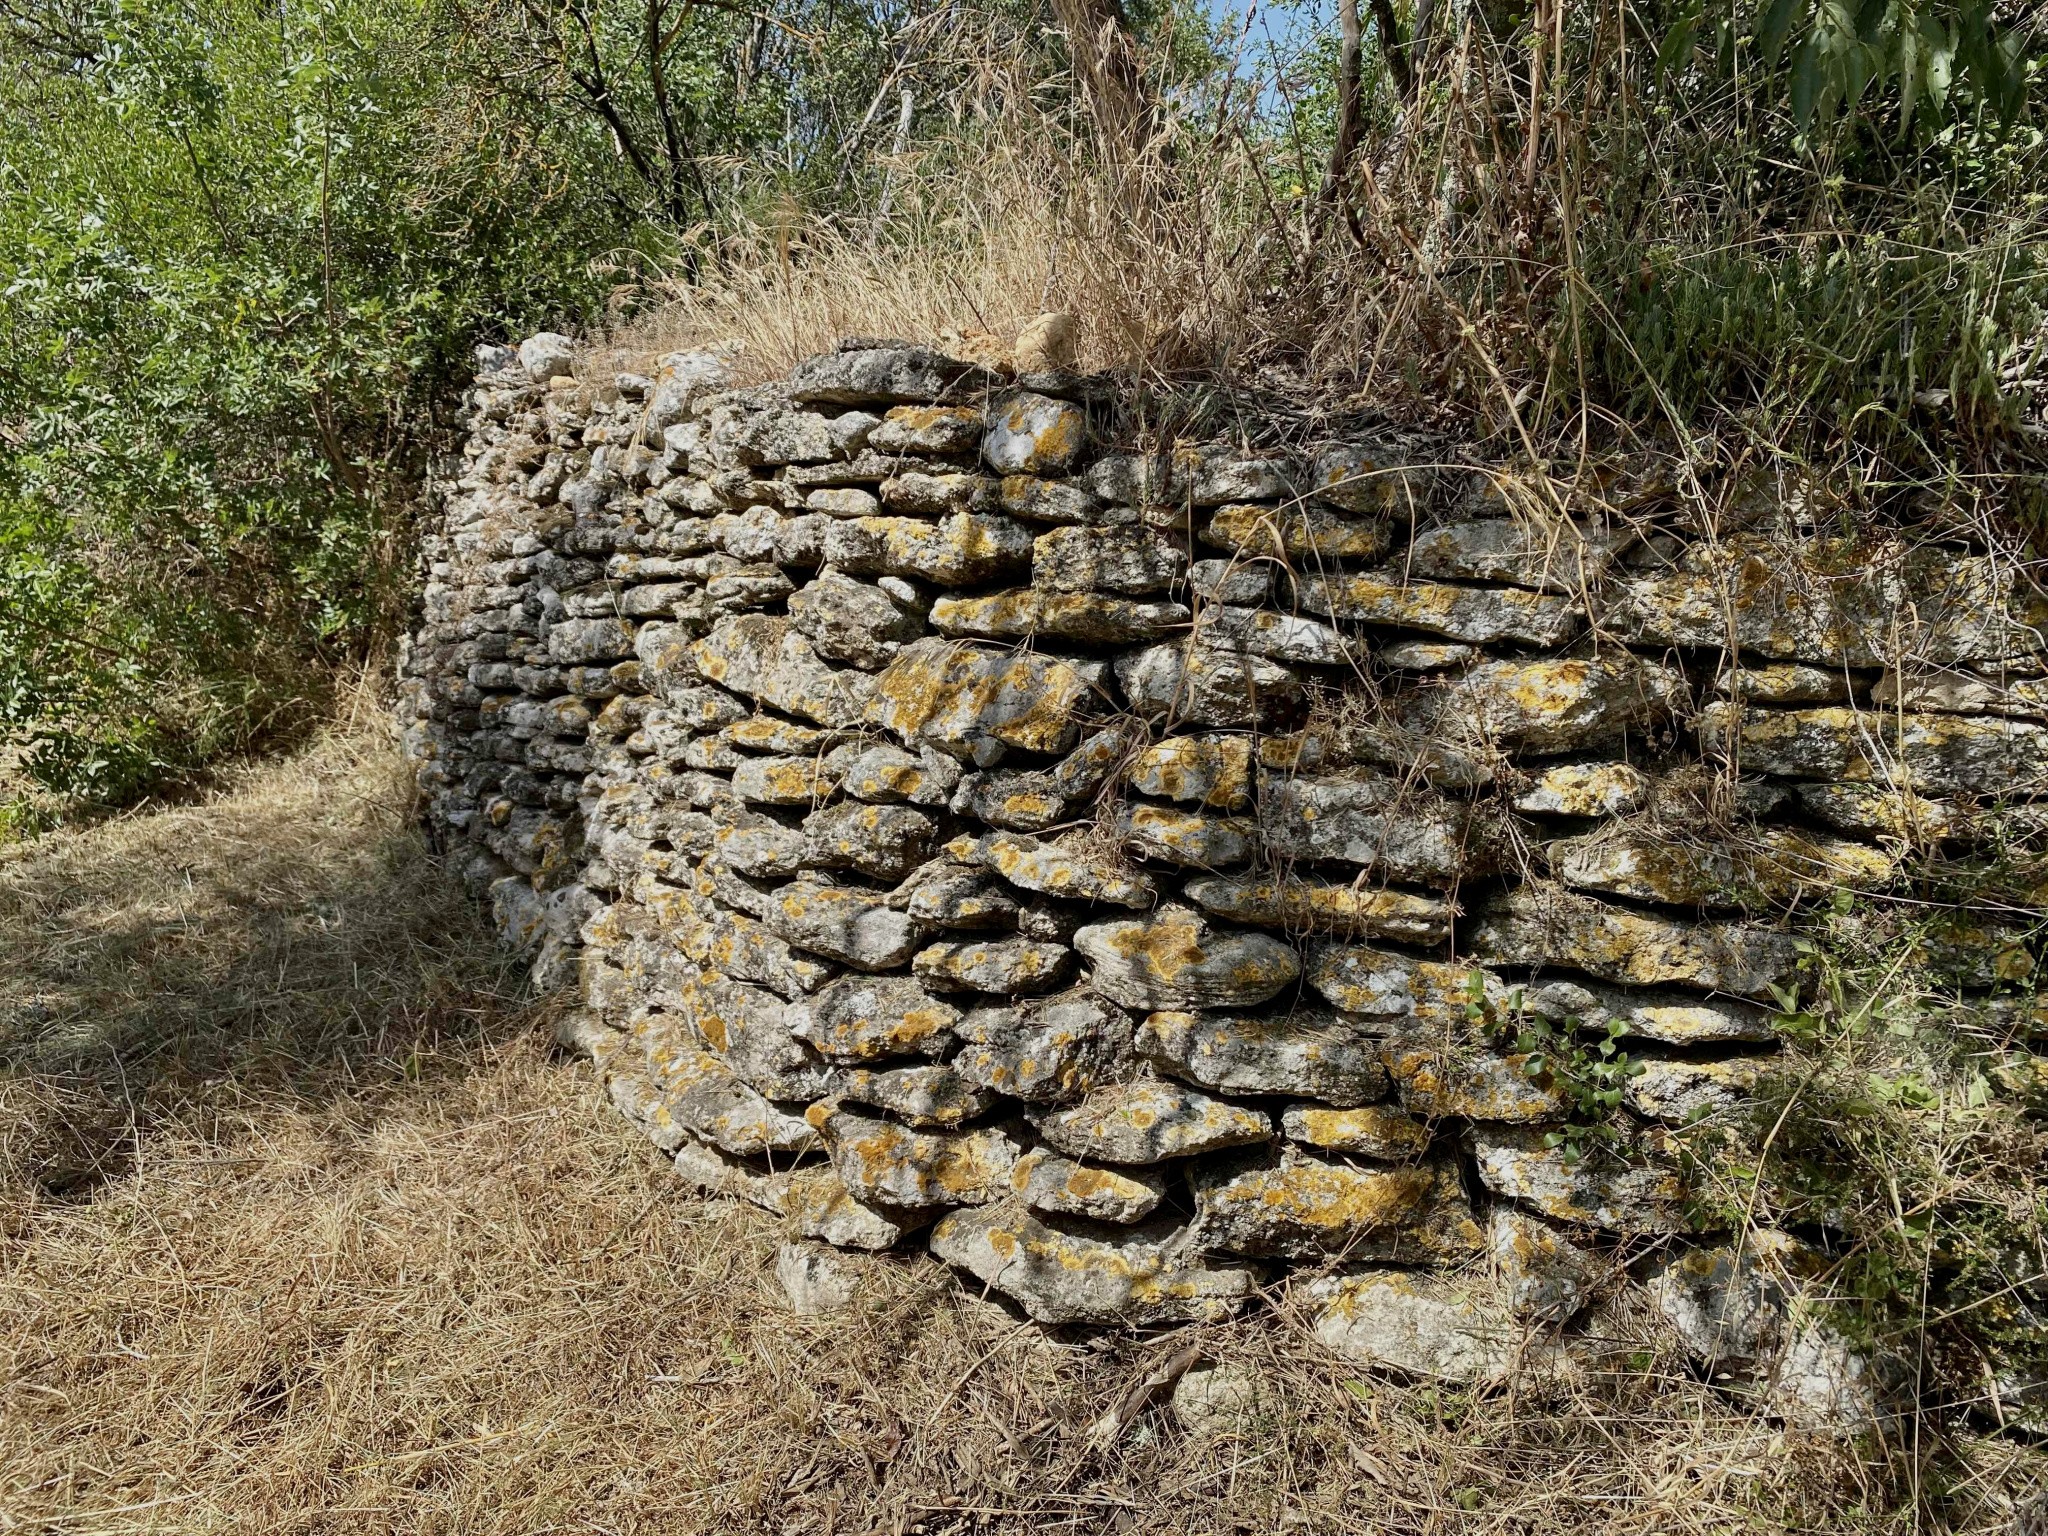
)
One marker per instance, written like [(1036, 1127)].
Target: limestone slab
[(1148, 1276), (1307, 905), (972, 703), (1479, 615), (1060, 1186), (1029, 612), (1303, 1051), (1209, 770), (1175, 959), (1045, 1050), (1148, 1120), (1543, 925), (1007, 967), (859, 1019)]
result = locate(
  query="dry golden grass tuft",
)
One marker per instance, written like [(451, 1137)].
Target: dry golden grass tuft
[(306, 1229), (982, 238)]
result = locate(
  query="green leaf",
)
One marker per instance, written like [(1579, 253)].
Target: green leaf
[(1675, 52), (1806, 83), (1938, 48), (1777, 23)]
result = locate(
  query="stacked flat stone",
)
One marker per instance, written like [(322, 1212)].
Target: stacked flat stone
[(1122, 870)]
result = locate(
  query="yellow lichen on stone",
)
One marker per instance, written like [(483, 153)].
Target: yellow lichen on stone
[(1372, 1130), (953, 693), (1326, 906), (1297, 532), (1212, 770)]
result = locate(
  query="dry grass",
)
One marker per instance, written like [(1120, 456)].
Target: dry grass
[(306, 1229), (984, 234)]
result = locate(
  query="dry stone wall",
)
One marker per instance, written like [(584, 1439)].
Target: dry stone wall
[(1129, 870)]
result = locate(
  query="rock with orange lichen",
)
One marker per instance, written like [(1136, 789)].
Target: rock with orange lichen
[(1924, 754), (1440, 1072), (1130, 561), (796, 781), (1686, 1092), (1373, 477), (1547, 1277), (1306, 1051), (1190, 684), (1671, 1017), (1068, 868), (885, 841), (818, 1204), (927, 1095), (1277, 636), (928, 429), (972, 703), (1045, 1181), (1144, 1277), (1169, 835), (1007, 967), (913, 493), (868, 375), (1046, 1050), (887, 1164), (1548, 554), (1286, 1203), (1544, 925), (855, 927), (1031, 434), (1175, 959), (1549, 704), (1420, 759), (748, 1028), (766, 659), (859, 1019), (1056, 501), (1586, 789), (634, 1095), (1324, 906), (710, 1101), (1836, 602), (1480, 615), (954, 896), (1763, 867), (887, 775), (1379, 984), (1306, 531), (735, 944), (1212, 770), (1875, 810), (1030, 613), (1382, 1131), (757, 846), (1016, 802), (1087, 768), (1148, 1120), (853, 621), (966, 549)]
